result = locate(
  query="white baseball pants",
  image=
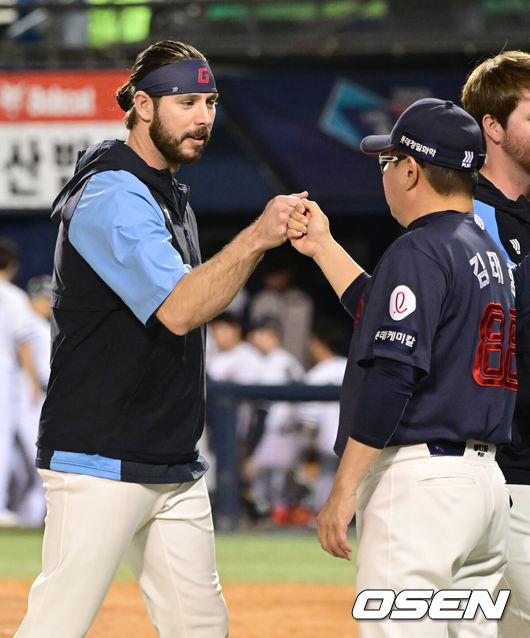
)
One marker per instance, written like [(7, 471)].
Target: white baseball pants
[(431, 522), (165, 532), (7, 433), (516, 620)]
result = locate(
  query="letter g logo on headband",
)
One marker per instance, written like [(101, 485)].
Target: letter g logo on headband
[(186, 76), (203, 77)]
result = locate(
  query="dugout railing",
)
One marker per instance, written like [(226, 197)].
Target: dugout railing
[(223, 400)]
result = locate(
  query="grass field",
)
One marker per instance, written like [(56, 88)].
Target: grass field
[(241, 558)]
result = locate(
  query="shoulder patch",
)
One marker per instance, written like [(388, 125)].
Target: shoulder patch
[(402, 303), (399, 339)]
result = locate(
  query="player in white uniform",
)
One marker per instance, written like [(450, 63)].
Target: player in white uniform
[(292, 307), (39, 291), (32, 507), (15, 353), (233, 360), (279, 448), (322, 417), (236, 360)]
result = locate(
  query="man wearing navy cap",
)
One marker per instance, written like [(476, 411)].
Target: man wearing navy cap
[(117, 444), (430, 384)]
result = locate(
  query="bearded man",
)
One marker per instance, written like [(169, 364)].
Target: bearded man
[(497, 95), (117, 445)]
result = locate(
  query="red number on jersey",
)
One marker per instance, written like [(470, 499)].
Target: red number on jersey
[(510, 367), (492, 366)]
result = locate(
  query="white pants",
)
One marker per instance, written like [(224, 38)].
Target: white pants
[(516, 620), (32, 507), (7, 433), (165, 533), (436, 523)]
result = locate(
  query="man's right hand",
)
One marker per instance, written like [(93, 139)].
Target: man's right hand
[(309, 231), (271, 226)]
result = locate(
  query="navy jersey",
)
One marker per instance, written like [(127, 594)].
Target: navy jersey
[(442, 300)]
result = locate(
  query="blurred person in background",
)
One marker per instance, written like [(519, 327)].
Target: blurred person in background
[(16, 329), (497, 95), (31, 506), (39, 290), (292, 307), (279, 447), (320, 419), (238, 309), (125, 405), (235, 360)]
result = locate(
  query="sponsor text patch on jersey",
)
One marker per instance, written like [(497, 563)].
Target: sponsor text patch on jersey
[(400, 339), (402, 303)]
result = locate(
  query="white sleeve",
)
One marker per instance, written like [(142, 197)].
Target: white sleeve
[(21, 317)]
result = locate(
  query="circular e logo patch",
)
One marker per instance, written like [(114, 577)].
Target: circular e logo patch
[(402, 303)]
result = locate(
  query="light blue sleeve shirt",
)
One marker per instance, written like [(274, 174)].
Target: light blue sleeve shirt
[(119, 229), (487, 214)]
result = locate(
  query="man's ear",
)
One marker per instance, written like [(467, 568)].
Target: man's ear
[(412, 172), (144, 106), (493, 131)]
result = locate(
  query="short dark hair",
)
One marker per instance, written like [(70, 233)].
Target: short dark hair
[(152, 58), (227, 317), (9, 253), (446, 181), (266, 322), (495, 87)]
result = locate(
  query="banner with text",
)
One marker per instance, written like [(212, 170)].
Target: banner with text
[(282, 130), (45, 119)]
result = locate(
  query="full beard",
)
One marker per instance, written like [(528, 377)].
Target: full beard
[(170, 147), (518, 151)]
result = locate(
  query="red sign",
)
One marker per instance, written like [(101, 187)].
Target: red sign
[(42, 96)]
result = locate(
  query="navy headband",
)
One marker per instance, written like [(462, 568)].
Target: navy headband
[(185, 76)]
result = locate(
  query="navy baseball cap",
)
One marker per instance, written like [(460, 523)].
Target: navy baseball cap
[(436, 131)]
